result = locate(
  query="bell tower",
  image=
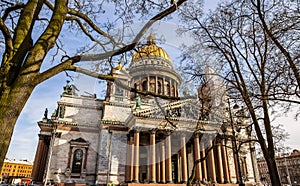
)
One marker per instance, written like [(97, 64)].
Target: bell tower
[(117, 90)]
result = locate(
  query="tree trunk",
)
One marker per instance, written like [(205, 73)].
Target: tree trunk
[(273, 172), (12, 101)]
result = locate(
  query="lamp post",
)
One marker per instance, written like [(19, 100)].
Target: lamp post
[(235, 150)]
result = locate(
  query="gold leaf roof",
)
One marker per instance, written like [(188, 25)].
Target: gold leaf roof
[(150, 49)]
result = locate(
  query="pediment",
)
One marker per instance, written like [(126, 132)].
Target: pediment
[(79, 140)]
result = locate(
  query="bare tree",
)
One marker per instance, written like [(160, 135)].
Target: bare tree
[(33, 29), (282, 28), (258, 74)]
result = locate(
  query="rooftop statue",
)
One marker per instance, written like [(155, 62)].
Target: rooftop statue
[(70, 89)]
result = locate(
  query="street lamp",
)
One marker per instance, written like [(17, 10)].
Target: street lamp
[(235, 150)]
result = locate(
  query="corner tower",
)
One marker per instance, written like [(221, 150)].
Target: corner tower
[(152, 70)]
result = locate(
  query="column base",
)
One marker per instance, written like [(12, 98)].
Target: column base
[(135, 181), (169, 182), (152, 182), (184, 182)]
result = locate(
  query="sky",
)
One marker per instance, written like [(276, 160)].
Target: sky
[(25, 137)]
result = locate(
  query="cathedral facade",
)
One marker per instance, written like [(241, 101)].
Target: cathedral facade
[(144, 137)]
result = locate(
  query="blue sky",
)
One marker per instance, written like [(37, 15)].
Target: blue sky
[(24, 141)]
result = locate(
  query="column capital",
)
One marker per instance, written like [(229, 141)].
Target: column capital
[(136, 130), (182, 134), (131, 133), (196, 135), (218, 141), (43, 136), (153, 131), (169, 132)]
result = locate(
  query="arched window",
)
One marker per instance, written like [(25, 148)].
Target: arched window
[(145, 86), (77, 161), (158, 87), (168, 90), (173, 90)]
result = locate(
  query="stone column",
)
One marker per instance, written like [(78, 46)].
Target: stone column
[(40, 159), (152, 157), (163, 163), (229, 169), (132, 156), (163, 86), (70, 157), (171, 92), (136, 157), (44, 158), (183, 160), (85, 157), (140, 85), (235, 163), (175, 91), (113, 89), (156, 85), (128, 159), (244, 167), (158, 168), (225, 162), (211, 159), (203, 163), (220, 164), (148, 83), (168, 160), (197, 158)]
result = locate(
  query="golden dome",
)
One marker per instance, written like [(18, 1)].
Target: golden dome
[(150, 50)]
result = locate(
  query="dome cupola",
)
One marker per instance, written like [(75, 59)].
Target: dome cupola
[(152, 70), (150, 50)]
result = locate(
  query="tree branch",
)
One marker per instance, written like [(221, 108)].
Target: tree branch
[(8, 41), (276, 42), (26, 21), (73, 18), (65, 65), (93, 57), (47, 39), (12, 8), (91, 24)]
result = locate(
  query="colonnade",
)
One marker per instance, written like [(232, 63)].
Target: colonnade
[(159, 85), (214, 166)]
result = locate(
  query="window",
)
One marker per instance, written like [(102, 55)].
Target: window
[(158, 87), (144, 85), (77, 157), (168, 90), (77, 161), (61, 111)]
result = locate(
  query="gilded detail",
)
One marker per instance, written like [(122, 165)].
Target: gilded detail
[(151, 49)]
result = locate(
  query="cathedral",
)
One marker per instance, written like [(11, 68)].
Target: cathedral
[(149, 136)]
